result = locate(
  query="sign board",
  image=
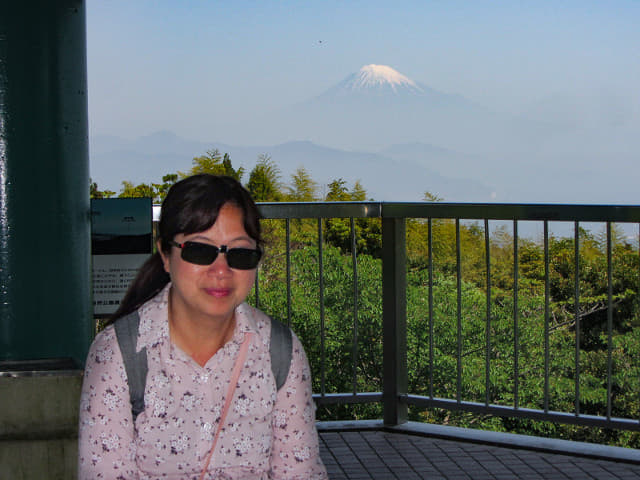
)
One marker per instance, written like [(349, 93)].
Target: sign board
[(121, 241)]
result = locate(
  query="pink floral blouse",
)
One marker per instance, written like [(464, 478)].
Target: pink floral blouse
[(268, 434)]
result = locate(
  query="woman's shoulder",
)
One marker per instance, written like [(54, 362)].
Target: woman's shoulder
[(255, 318), (261, 323), (104, 352), (104, 338)]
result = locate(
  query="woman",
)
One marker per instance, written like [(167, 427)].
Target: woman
[(199, 420)]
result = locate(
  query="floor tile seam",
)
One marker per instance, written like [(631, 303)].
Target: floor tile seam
[(473, 456), (544, 457), (386, 443), (337, 462), (362, 464), (407, 462), (416, 448), (606, 465), (434, 464), (579, 465), (492, 453), (532, 458)]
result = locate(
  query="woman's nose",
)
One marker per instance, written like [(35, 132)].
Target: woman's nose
[(220, 264)]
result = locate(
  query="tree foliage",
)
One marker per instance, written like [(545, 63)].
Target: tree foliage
[(95, 192), (458, 323), (215, 163), (264, 181), (303, 188)]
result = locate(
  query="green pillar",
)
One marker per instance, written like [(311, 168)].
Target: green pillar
[(45, 281)]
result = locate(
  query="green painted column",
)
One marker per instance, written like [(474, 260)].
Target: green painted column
[(45, 281)]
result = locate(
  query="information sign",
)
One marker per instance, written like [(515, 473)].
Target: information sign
[(121, 241)]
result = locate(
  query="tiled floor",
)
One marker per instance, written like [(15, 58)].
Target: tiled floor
[(377, 455)]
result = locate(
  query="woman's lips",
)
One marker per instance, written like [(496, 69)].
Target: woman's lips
[(218, 292)]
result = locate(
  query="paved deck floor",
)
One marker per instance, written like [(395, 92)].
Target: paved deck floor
[(377, 455)]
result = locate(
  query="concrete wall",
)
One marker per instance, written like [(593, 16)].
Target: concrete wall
[(39, 425)]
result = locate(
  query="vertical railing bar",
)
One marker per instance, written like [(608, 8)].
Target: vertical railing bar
[(576, 304), (459, 313), (322, 325), (546, 315), (431, 316), (609, 321), (487, 366), (516, 333), (288, 256), (394, 320), (354, 260)]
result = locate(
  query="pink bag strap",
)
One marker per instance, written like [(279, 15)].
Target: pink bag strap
[(242, 355)]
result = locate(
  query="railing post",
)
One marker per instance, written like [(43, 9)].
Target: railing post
[(394, 320)]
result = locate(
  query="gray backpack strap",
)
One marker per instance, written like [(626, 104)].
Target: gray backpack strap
[(280, 349), (135, 363)]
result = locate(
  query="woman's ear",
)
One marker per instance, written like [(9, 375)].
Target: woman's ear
[(163, 256)]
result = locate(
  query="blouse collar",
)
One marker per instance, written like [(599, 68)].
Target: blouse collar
[(154, 321)]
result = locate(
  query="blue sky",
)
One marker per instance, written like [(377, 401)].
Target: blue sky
[(192, 66)]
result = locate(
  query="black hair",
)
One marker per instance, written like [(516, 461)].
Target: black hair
[(192, 205)]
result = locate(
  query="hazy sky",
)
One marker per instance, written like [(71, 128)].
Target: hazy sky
[(188, 66)]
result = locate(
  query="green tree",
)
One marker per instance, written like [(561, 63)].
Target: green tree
[(431, 197), (264, 180), (143, 190), (358, 192), (303, 188), (161, 189), (95, 192), (215, 163), (229, 170), (338, 231), (338, 191)]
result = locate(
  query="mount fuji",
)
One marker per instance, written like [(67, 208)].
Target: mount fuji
[(401, 138), (377, 80), (378, 106)]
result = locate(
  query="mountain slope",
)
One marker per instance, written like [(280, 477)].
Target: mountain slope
[(379, 106), (383, 177)]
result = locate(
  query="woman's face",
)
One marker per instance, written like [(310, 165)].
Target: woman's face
[(210, 292)]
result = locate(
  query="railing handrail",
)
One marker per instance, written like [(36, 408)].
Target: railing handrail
[(470, 211)]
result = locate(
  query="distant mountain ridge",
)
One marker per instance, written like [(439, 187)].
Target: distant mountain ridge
[(401, 138), (378, 106), (146, 159)]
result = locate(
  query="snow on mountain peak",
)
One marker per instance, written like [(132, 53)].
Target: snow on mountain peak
[(381, 75)]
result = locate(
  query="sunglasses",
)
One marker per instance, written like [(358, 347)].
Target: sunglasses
[(205, 254)]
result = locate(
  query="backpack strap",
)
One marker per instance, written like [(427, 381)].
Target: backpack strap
[(135, 363), (280, 350)]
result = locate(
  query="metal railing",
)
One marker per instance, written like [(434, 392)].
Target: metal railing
[(395, 396)]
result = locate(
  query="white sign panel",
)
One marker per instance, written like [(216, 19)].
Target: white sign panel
[(121, 237), (112, 275)]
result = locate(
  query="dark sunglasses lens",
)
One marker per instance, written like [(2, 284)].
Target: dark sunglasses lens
[(199, 253), (243, 258)]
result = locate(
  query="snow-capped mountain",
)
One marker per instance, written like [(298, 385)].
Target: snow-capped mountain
[(383, 83), (401, 138), (378, 106), (378, 79)]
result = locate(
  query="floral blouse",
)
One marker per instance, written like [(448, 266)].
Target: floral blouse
[(267, 434)]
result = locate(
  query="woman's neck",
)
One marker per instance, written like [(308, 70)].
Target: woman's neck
[(199, 338)]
